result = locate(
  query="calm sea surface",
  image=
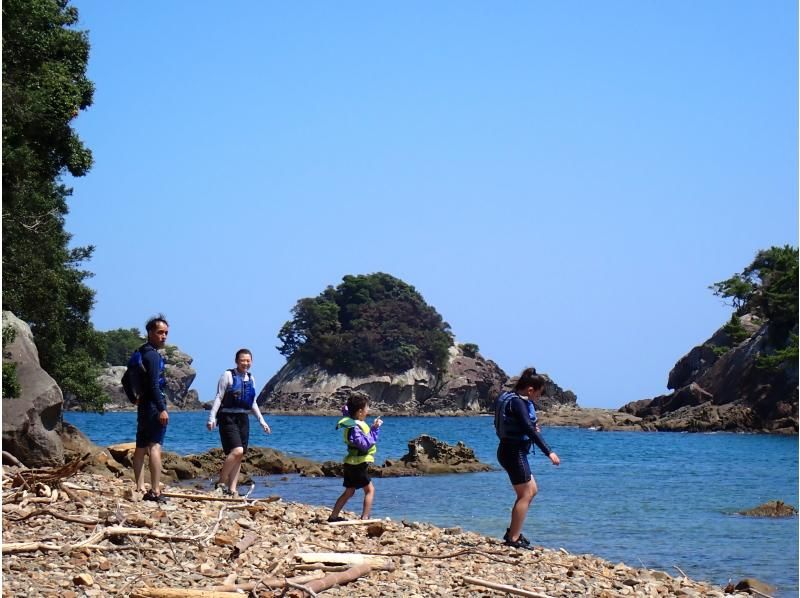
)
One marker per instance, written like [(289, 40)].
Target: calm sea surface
[(659, 500)]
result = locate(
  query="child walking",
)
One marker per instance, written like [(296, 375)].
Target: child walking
[(361, 442)]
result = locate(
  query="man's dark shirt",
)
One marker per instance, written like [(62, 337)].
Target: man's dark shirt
[(154, 400)]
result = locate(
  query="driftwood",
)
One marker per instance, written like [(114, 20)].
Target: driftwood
[(249, 539), (337, 579), (49, 475), (273, 582), (211, 497), (503, 587), (348, 558), (355, 522), (72, 496), (89, 521)]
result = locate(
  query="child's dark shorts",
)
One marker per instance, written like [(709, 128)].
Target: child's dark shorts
[(355, 476), (234, 430), (149, 430)]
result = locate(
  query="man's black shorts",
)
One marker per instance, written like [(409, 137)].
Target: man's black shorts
[(234, 430), (514, 459), (355, 476), (149, 430)]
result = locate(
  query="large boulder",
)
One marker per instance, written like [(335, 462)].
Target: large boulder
[(179, 375), (469, 385), (32, 421)]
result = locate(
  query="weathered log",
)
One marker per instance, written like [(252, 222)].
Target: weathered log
[(337, 579), (503, 587)]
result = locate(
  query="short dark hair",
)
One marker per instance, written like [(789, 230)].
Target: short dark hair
[(152, 322), (529, 378), (356, 402), (242, 352)]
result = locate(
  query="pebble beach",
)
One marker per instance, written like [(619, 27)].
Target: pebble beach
[(71, 533)]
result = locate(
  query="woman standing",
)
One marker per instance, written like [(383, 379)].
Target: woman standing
[(516, 427), (235, 400)]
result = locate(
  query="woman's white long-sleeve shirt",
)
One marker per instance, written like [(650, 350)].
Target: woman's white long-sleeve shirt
[(225, 382)]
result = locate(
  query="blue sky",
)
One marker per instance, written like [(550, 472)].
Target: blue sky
[(561, 181)]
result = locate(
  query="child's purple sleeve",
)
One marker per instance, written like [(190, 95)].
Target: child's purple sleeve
[(362, 441)]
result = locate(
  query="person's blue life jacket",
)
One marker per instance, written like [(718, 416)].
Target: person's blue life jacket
[(240, 394), (506, 425)]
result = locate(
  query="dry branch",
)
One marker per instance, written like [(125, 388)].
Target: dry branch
[(49, 475), (503, 588), (90, 521)]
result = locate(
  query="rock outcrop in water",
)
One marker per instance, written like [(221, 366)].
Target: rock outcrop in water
[(720, 386), (469, 386)]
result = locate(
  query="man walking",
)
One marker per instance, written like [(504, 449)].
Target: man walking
[(152, 416)]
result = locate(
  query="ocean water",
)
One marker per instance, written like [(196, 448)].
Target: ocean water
[(659, 500)]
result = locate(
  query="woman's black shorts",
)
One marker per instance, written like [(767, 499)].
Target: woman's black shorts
[(514, 459), (234, 430), (355, 476)]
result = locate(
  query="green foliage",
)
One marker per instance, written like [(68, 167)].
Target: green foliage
[(778, 358), (369, 324), (77, 375), (44, 88), (120, 343), (768, 289), (720, 350), (735, 330), (11, 387), (469, 349)]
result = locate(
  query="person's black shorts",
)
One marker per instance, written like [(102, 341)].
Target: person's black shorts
[(514, 459), (355, 476), (149, 430), (234, 430)]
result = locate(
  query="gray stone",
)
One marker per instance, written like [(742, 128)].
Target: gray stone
[(31, 422)]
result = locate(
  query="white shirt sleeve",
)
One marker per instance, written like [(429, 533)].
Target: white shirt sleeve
[(224, 382), (255, 409)]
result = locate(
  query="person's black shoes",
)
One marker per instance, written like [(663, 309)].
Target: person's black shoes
[(335, 519), (158, 498), (521, 542)]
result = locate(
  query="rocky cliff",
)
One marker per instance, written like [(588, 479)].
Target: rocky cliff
[(469, 386), (719, 386)]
